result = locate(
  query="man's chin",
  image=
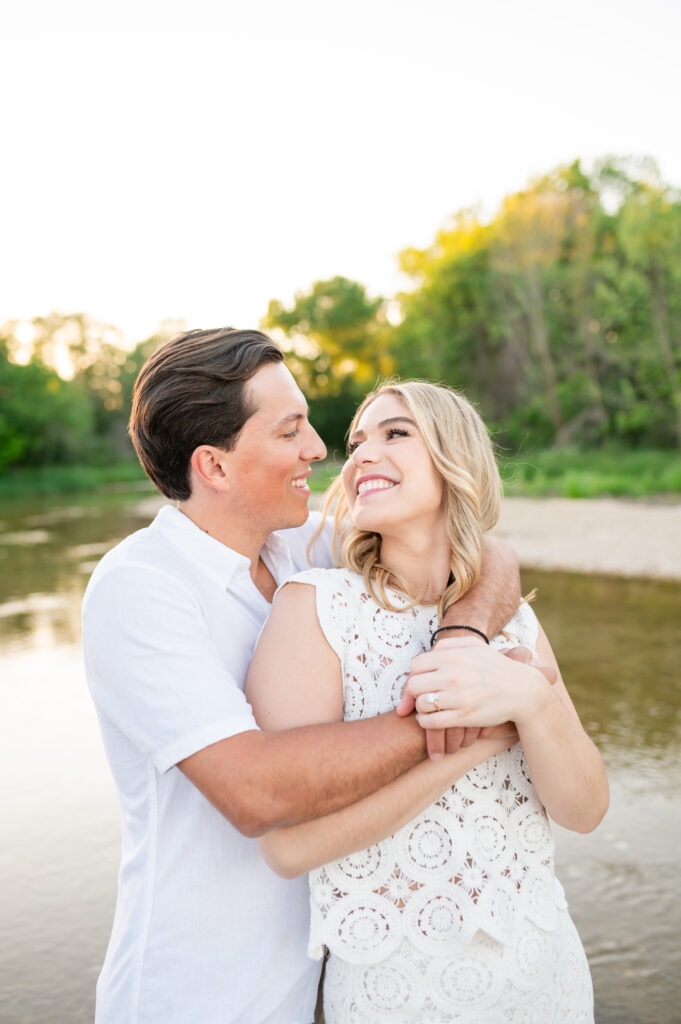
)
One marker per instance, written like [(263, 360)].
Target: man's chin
[(295, 519)]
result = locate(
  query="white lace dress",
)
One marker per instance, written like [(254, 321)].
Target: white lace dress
[(458, 916)]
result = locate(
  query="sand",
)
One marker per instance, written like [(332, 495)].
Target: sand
[(598, 535)]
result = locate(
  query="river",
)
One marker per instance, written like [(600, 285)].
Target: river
[(619, 644)]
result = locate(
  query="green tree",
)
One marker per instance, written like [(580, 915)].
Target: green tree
[(336, 340), (43, 418)]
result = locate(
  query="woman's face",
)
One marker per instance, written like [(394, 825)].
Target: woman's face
[(389, 479)]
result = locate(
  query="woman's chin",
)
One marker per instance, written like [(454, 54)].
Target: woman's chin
[(364, 521), (371, 523)]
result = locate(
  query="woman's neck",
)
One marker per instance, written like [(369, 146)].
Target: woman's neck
[(423, 562)]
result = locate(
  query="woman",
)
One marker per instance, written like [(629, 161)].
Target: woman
[(435, 897)]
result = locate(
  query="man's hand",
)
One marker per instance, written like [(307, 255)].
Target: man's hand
[(441, 741)]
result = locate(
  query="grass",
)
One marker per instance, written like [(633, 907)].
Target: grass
[(571, 473), (54, 480), (558, 472)]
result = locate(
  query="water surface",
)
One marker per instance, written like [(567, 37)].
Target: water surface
[(619, 645)]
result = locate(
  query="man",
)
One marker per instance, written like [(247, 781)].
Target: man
[(204, 932)]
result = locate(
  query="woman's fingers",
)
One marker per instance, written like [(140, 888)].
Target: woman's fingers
[(406, 705), (441, 720)]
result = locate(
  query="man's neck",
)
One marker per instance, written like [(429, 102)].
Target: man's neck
[(239, 536)]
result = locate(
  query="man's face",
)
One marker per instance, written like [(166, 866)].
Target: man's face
[(269, 465)]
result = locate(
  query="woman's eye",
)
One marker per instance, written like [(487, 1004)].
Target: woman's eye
[(395, 432), (353, 445)]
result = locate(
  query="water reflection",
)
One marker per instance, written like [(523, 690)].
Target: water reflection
[(619, 647), (47, 557)]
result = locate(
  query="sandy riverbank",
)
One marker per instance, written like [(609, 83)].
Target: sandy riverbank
[(599, 535)]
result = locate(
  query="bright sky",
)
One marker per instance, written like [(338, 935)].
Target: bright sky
[(195, 159)]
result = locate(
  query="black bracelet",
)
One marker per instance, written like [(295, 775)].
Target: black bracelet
[(471, 629)]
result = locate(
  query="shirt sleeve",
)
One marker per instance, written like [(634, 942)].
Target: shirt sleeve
[(153, 669)]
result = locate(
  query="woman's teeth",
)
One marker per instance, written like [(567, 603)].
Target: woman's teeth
[(374, 485)]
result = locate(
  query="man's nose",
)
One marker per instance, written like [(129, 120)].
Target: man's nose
[(315, 448)]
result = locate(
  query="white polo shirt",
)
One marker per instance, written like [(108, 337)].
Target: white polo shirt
[(204, 932)]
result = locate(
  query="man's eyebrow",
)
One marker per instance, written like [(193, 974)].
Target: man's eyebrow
[(384, 423), (292, 417)]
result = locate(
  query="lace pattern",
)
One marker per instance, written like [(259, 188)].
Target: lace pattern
[(542, 978), (478, 860)]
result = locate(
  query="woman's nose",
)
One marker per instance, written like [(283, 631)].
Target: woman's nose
[(365, 452)]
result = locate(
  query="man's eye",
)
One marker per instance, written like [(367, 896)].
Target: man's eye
[(294, 433)]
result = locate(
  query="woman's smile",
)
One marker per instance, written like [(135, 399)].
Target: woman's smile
[(373, 484)]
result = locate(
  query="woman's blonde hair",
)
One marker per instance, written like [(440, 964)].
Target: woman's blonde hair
[(462, 452)]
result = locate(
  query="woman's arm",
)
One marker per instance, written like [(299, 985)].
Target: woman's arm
[(565, 765), (293, 851), (295, 679), (566, 768), (295, 675)]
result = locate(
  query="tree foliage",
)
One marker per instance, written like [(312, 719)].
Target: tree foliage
[(560, 317)]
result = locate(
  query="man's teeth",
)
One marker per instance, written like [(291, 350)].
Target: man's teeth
[(302, 482), (374, 485)]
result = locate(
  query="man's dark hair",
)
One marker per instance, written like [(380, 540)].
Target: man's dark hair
[(192, 391)]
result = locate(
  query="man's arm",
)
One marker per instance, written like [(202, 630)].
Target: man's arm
[(493, 600), (156, 675), (262, 780), (487, 606), (307, 762), (293, 851)]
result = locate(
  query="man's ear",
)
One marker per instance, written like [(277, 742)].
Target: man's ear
[(208, 466)]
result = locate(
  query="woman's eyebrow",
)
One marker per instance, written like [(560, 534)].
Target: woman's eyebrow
[(384, 423)]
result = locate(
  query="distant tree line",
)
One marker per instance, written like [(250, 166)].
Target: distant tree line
[(560, 317), (79, 414)]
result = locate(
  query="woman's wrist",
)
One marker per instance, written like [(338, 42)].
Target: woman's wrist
[(536, 696)]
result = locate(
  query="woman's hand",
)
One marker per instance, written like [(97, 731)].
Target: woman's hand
[(442, 740), (473, 687), (477, 686)]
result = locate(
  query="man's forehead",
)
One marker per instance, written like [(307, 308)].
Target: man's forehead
[(277, 398)]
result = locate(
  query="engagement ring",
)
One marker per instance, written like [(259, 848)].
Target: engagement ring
[(432, 699)]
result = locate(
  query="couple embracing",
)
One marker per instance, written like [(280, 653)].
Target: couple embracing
[(254, 738)]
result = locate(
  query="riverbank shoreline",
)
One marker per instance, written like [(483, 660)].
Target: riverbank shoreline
[(609, 536), (606, 536)]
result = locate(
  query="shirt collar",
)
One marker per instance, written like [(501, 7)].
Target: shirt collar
[(218, 561)]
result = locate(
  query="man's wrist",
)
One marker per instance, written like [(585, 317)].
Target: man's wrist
[(417, 736), (441, 630)]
